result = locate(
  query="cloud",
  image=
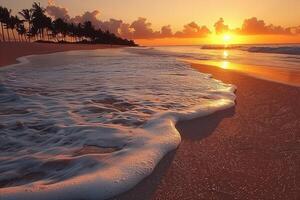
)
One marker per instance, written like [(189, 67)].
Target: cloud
[(220, 27), (254, 26), (125, 31), (88, 16), (294, 30), (113, 25), (56, 11), (142, 29), (192, 30), (166, 31), (138, 29), (51, 2)]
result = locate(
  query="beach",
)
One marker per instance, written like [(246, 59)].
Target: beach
[(10, 51), (250, 151)]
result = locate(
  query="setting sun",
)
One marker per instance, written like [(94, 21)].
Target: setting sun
[(227, 38)]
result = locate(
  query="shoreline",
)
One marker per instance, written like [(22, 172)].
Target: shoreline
[(274, 74), (247, 152), (11, 51), (55, 57)]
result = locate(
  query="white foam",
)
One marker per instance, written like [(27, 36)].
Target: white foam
[(106, 98)]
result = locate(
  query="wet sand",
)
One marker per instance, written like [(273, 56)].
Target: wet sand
[(279, 75), (10, 51), (249, 152)]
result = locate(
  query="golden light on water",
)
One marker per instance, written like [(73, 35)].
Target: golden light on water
[(225, 64), (225, 54)]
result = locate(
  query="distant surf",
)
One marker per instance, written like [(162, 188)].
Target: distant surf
[(276, 49), (92, 124), (292, 50), (284, 56)]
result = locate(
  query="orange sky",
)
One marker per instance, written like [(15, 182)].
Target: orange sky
[(178, 13)]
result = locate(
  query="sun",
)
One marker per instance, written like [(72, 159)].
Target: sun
[(227, 38)]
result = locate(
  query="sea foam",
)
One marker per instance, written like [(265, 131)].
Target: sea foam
[(93, 124)]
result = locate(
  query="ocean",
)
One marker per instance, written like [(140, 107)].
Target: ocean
[(276, 56), (93, 124)]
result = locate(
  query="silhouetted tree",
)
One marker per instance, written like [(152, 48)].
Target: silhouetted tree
[(61, 28), (5, 19), (38, 23), (27, 16), (39, 19), (12, 23), (21, 31)]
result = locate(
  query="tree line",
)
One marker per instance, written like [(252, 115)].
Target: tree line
[(34, 25)]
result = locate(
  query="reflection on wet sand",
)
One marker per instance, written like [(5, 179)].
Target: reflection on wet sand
[(287, 76)]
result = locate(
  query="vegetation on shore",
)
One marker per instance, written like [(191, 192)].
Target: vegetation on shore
[(34, 25)]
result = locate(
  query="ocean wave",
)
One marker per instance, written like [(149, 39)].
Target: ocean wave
[(92, 124), (292, 50), (279, 49)]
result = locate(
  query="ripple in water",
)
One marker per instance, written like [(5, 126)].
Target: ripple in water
[(92, 124)]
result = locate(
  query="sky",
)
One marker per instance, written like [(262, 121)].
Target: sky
[(185, 21)]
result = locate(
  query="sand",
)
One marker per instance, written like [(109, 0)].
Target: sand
[(249, 152), (9, 51), (275, 74)]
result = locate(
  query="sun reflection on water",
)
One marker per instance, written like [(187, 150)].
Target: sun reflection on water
[(225, 54), (225, 64)]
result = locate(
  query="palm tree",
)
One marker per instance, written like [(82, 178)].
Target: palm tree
[(21, 31), (88, 30), (72, 31), (60, 27), (53, 31), (48, 26), (27, 16), (4, 18), (39, 18), (33, 32), (39, 22), (79, 32), (12, 24)]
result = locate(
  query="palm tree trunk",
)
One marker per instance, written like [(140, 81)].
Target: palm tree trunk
[(29, 28), (2, 32), (8, 34), (48, 35), (12, 30), (43, 34)]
